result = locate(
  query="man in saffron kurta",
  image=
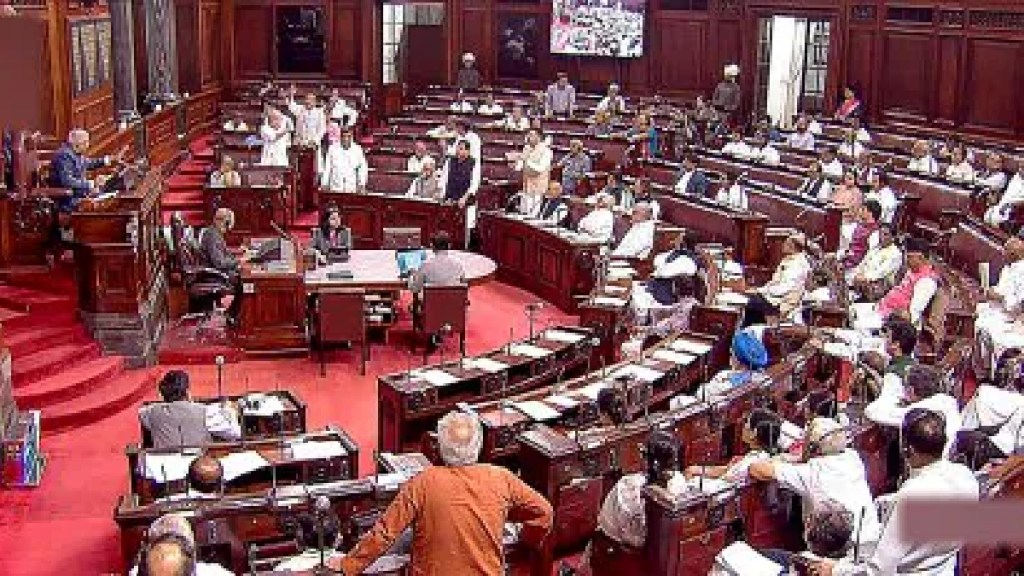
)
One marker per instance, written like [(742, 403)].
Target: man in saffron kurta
[(457, 512), (910, 297)]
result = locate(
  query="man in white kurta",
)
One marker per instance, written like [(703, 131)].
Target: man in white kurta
[(310, 125), (276, 135), (921, 388), (668, 266), (995, 324), (639, 240), (341, 112), (535, 163), (600, 222), (921, 160), (345, 167), (1012, 195)]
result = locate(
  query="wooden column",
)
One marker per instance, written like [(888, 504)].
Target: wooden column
[(122, 39)]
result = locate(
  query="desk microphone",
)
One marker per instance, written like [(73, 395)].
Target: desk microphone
[(220, 376), (167, 483), (322, 507), (181, 439), (856, 539), (594, 343), (408, 368), (508, 347)]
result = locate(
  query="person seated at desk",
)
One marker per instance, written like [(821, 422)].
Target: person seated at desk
[(732, 193), (340, 112), (639, 239), (345, 168), (317, 538), (461, 105), (554, 208), (692, 181), (276, 135), (69, 166), (661, 292), (614, 187), (996, 323), (613, 103), (203, 481), (427, 184), (923, 387), (864, 237), (643, 133), (831, 167), (490, 107), (765, 152), (170, 550), (760, 434), (860, 133), (419, 155), (515, 121), (801, 138), (829, 472), (921, 160), (640, 193), (993, 177), (923, 440), (880, 191), (215, 254), (997, 408), (575, 165), (737, 147), (850, 107), (440, 269), (830, 534), (910, 297), (781, 295), (1013, 195), (960, 170), (747, 362), (225, 175), (235, 124), (560, 98), (848, 198), (600, 222), (178, 421), (600, 124), (331, 235), (457, 511), (877, 270), (816, 185)]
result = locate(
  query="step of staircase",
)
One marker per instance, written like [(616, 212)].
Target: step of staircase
[(27, 299), (182, 201), (29, 341), (69, 384), (113, 396), (34, 367), (191, 217)]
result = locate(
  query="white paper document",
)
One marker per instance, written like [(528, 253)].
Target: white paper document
[(732, 298), (529, 350), (486, 364), (691, 347), (681, 358), (615, 289), (563, 336), (592, 390), (609, 301), (537, 410), (740, 559), (620, 273), (166, 467), (438, 377), (238, 464), (639, 372), (317, 450), (265, 405), (562, 401)]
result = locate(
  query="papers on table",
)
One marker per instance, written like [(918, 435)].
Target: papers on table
[(238, 464), (674, 357), (437, 377), (609, 301), (732, 298), (563, 336), (166, 467), (486, 364), (615, 289), (637, 371), (529, 350), (620, 273), (619, 264), (261, 405), (317, 450), (690, 347), (740, 558), (562, 401), (681, 401), (537, 410), (592, 390), (390, 481)]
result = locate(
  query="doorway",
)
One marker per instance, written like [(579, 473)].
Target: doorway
[(300, 40), (792, 67)]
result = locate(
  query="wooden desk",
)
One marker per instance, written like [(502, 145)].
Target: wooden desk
[(291, 421), (283, 467), (554, 264), (367, 214), (122, 284), (376, 270), (258, 208), (409, 405)]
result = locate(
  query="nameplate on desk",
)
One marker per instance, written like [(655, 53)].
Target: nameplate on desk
[(691, 347)]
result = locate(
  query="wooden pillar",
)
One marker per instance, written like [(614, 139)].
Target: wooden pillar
[(123, 49)]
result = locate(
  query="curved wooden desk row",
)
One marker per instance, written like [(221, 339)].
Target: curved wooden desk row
[(369, 213), (226, 528), (410, 403)]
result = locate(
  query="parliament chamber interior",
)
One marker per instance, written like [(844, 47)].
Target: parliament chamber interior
[(488, 287)]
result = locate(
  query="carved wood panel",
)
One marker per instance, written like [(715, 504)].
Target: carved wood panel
[(992, 97)]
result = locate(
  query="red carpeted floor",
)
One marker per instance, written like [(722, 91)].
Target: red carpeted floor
[(65, 526)]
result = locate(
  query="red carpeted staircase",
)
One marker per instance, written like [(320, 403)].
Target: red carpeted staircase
[(184, 191), (56, 367)]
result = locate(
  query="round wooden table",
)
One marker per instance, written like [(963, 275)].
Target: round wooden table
[(378, 270)]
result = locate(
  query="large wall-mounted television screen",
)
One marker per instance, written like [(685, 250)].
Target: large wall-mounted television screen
[(598, 27)]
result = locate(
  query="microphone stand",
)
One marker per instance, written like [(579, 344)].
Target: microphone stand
[(220, 376)]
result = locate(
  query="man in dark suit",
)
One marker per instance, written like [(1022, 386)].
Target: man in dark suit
[(691, 180), (215, 253), (69, 167)]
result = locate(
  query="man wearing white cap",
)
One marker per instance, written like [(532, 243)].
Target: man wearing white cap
[(600, 222), (469, 76), (727, 94), (613, 103)]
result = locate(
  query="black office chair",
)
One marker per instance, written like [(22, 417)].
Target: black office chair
[(205, 286)]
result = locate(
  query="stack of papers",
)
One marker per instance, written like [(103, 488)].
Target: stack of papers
[(563, 336), (261, 405), (486, 364), (537, 410), (166, 467), (620, 273), (317, 450), (691, 347), (675, 357), (238, 464), (437, 377), (529, 350), (740, 558), (639, 372), (609, 301)]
